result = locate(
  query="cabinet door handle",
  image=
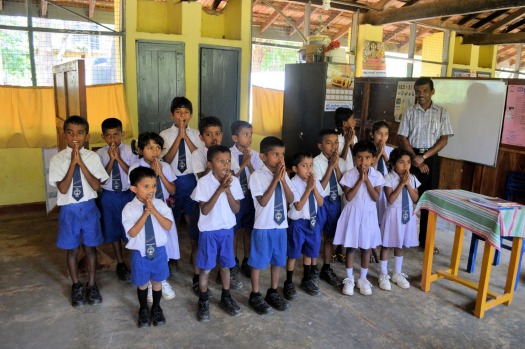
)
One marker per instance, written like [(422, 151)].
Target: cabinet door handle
[(301, 136)]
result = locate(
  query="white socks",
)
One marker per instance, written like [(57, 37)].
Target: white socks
[(384, 269), (350, 273), (398, 264), (363, 273)]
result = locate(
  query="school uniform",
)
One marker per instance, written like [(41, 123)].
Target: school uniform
[(79, 218), (216, 228), (115, 194), (358, 226), (199, 161), (382, 202), (349, 162), (172, 246), (246, 215), (268, 241), (304, 232), (331, 210), (183, 169), (144, 269), (394, 232)]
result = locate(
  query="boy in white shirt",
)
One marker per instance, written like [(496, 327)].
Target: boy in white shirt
[(218, 194), (271, 192)]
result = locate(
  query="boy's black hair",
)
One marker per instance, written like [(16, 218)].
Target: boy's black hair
[(300, 156), (209, 121), (76, 120), (181, 102), (270, 142), (143, 141), (325, 132), (111, 123), (378, 124), (423, 81), (365, 146), (216, 149), (238, 125), (138, 173), (396, 154), (342, 114)]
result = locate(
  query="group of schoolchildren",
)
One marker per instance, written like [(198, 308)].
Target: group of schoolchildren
[(355, 194)]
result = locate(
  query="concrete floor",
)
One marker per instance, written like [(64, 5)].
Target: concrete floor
[(35, 308)]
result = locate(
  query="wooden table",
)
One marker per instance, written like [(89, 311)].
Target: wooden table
[(455, 207)]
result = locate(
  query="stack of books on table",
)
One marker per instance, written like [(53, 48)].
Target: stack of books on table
[(496, 203)]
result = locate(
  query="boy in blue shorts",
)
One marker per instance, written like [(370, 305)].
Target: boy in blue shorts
[(78, 173), (304, 234), (329, 168), (147, 221), (180, 142), (218, 194), (247, 161), (271, 192), (116, 158)]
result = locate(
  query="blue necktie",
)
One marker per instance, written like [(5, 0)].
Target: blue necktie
[(242, 178), (405, 207), (278, 208), (151, 245), (158, 194), (78, 192), (333, 187), (381, 165), (181, 164), (313, 211), (115, 177)]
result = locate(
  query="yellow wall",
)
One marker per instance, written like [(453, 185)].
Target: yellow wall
[(365, 32), (472, 57), (432, 51)]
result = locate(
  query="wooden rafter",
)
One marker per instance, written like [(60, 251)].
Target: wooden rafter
[(298, 24), (467, 18), (440, 24), (272, 18), (43, 8), (514, 26), (395, 32), (383, 4), (342, 32), (487, 19), (495, 39), (509, 19), (1, 5), (91, 9), (441, 8)]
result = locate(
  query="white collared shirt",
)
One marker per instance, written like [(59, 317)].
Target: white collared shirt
[(127, 156), (166, 170), (300, 187), (169, 135), (221, 215), (255, 161), (388, 150), (264, 216), (320, 168), (349, 162), (392, 180), (199, 160), (362, 197), (59, 166), (132, 213)]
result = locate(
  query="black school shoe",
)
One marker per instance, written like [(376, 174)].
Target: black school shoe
[(310, 287), (77, 296), (157, 316), (123, 273), (93, 294), (203, 312), (289, 291), (329, 276), (276, 301), (227, 303), (259, 305), (314, 274), (144, 318)]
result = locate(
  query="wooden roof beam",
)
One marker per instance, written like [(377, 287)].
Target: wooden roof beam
[(440, 24), (509, 19), (383, 4), (342, 32), (514, 26), (439, 9), (495, 39), (1, 5), (272, 18), (43, 8), (91, 9), (487, 19)]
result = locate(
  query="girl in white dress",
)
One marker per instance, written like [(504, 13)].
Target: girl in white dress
[(358, 226), (398, 227)]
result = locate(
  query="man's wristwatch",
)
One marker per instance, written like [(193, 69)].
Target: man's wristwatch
[(424, 157)]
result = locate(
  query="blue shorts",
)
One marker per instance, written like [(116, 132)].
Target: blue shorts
[(246, 216), (302, 239), (111, 205), (144, 269), (268, 246), (193, 229), (183, 203), (79, 223), (215, 243), (329, 215)]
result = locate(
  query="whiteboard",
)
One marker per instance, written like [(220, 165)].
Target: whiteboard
[(476, 109)]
